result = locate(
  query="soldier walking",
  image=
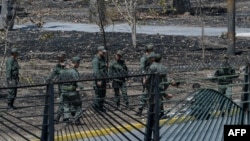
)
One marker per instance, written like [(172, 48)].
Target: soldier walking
[(71, 99), (224, 77), (157, 67), (119, 68), (100, 69), (54, 75), (144, 60), (146, 85), (12, 76)]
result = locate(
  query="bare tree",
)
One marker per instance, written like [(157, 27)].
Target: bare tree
[(182, 6), (8, 13), (7, 17), (127, 10)]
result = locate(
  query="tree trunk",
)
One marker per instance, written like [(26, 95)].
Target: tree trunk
[(133, 26), (182, 6), (97, 12), (8, 13)]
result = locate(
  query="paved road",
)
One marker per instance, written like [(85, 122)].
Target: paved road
[(164, 30)]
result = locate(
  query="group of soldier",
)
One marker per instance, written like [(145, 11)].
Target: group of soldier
[(70, 105), (69, 97)]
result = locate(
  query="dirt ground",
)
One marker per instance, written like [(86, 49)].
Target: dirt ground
[(37, 56)]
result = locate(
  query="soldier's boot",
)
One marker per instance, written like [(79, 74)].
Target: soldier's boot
[(139, 112), (127, 106), (57, 118), (118, 107), (10, 105)]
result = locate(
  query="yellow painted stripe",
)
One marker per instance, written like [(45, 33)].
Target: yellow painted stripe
[(125, 128), (112, 130)]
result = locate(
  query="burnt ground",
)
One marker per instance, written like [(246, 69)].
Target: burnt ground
[(38, 47)]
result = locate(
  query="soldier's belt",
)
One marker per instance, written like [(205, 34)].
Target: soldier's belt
[(68, 87)]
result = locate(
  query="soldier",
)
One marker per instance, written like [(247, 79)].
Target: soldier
[(12, 75), (157, 67), (71, 98), (224, 77), (100, 69), (146, 85), (144, 60), (54, 75), (56, 71), (119, 68)]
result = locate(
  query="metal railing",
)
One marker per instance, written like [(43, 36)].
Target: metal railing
[(188, 110)]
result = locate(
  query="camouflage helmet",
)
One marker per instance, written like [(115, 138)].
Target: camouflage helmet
[(14, 50), (61, 54), (76, 59), (225, 57), (158, 56), (149, 46), (101, 48), (119, 52)]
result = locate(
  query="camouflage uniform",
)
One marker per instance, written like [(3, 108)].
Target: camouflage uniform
[(12, 76), (157, 67), (55, 75), (224, 76), (145, 63), (71, 98), (119, 68), (56, 71), (100, 70)]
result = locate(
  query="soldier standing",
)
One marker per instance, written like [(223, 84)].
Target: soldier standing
[(119, 68), (100, 69), (146, 85), (56, 71), (144, 60), (12, 75), (54, 75), (225, 76), (71, 98), (157, 67)]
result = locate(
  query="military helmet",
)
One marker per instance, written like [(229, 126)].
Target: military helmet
[(158, 56), (14, 50), (76, 59), (101, 48), (61, 54), (119, 52), (225, 57), (149, 46)]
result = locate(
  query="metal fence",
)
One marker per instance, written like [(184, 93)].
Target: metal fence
[(190, 114)]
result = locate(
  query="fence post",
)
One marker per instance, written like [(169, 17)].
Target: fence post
[(157, 107), (246, 95), (48, 115), (152, 124)]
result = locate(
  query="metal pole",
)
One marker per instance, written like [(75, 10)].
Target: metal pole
[(150, 118), (51, 113), (154, 110), (45, 116), (246, 95), (48, 116), (231, 27), (157, 102)]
